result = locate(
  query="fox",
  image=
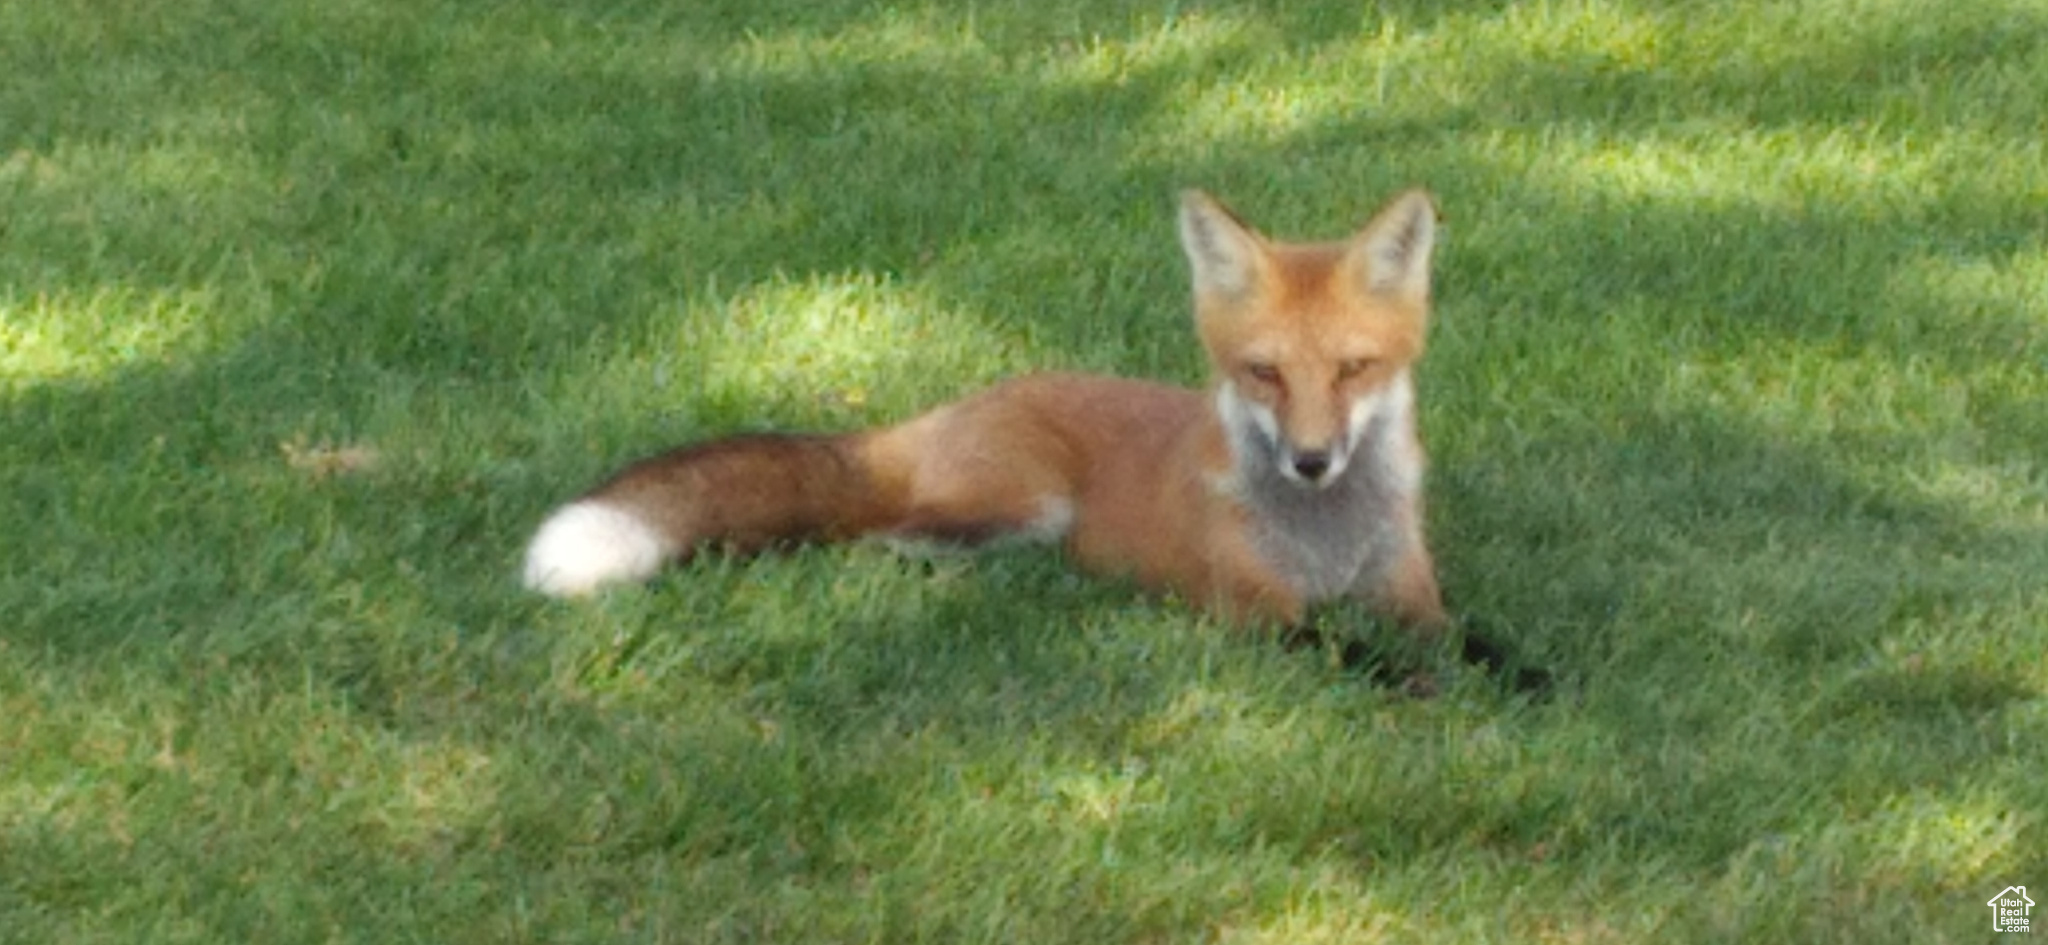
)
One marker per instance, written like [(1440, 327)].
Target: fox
[(1295, 479)]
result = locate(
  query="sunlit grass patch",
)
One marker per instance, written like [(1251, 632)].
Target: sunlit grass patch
[(45, 338), (840, 336)]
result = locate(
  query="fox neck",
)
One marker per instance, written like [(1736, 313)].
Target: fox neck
[(1329, 535)]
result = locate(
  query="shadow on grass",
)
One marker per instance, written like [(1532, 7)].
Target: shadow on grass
[(438, 239)]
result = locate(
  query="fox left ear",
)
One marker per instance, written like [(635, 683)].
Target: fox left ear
[(1392, 253), (1223, 252)]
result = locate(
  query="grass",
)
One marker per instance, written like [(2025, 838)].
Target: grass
[(308, 312)]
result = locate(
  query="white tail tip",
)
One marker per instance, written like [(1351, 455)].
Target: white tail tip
[(587, 545)]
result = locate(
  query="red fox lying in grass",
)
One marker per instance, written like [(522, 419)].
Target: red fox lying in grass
[(1297, 478)]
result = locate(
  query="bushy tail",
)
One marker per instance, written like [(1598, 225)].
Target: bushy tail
[(741, 494)]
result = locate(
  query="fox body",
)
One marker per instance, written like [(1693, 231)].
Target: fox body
[(1296, 478)]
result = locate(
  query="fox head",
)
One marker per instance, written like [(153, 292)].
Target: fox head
[(1311, 343)]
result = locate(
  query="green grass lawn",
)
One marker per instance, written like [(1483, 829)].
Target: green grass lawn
[(1738, 405)]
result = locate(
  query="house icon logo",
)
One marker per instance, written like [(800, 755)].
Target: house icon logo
[(2009, 910)]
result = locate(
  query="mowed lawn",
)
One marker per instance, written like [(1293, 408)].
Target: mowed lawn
[(1737, 402)]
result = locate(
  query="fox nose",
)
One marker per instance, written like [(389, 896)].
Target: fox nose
[(1311, 466)]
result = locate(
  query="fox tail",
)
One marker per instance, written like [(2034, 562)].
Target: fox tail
[(741, 494)]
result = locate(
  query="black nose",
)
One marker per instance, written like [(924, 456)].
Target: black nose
[(1312, 466)]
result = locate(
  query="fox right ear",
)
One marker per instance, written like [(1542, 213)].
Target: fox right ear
[(1222, 251), (1393, 250)]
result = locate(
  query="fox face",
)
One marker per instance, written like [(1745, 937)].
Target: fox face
[(1311, 344)]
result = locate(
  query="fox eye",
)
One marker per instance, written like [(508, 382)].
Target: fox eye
[(1263, 373), (1352, 367)]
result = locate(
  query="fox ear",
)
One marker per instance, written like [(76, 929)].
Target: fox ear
[(1222, 251), (1392, 252)]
